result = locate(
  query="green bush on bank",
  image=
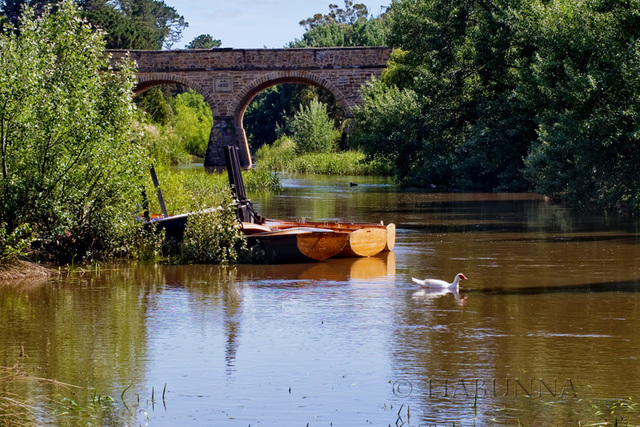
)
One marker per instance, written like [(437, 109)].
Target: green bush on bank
[(71, 164), (214, 236), (15, 244), (184, 135), (312, 129)]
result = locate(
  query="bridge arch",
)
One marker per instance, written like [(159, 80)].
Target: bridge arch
[(230, 78), (151, 80), (243, 98)]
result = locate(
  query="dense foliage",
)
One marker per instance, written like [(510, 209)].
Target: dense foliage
[(128, 24), (214, 236), (510, 95), (587, 102), (70, 164), (312, 129), (351, 26), (451, 88), (177, 130), (204, 41)]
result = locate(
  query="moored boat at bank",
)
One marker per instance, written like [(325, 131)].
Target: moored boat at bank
[(365, 239), (300, 244)]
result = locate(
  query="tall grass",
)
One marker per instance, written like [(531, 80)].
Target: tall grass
[(194, 190), (212, 233), (281, 156)]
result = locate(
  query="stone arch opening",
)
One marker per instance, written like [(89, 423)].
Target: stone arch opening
[(271, 106), (188, 109), (148, 81), (243, 99)]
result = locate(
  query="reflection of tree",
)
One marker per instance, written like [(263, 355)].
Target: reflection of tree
[(231, 326), (86, 330), (212, 287)]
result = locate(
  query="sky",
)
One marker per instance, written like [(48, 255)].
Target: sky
[(254, 23)]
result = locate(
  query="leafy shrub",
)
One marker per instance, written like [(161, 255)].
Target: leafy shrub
[(148, 244), (312, 129), (213, 236), (16, 243), (71, 163)]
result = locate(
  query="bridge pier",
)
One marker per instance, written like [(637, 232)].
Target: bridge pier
[(226, 132)]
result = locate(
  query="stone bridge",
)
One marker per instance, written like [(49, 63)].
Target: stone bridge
[(230, 78)]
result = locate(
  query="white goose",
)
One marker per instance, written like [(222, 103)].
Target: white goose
[(441, 284)]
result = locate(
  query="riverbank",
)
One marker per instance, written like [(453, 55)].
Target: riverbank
[(16, 269), (282, 157)]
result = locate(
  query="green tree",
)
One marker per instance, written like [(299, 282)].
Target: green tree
[(388, 129), (312, 129), (458, 58), (349, 15), (350, 26), (192, 122), (204, 41), (585, 85), (70, 166), (129, 24), (122, 31), (154, 103), (140, 24), (12, 9)]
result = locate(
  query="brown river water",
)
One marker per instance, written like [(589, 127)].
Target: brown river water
[(543, 332)]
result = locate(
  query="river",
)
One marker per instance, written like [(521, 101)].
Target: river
[(543, 332)]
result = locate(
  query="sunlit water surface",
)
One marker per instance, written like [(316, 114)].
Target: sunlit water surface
[(544, 332)]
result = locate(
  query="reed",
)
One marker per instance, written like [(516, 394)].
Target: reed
[(18, 410)]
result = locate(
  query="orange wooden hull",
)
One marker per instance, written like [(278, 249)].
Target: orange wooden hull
[(301, 244), (365, 239)]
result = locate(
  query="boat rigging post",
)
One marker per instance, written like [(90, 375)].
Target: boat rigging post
[(245, 210), (156, 184)]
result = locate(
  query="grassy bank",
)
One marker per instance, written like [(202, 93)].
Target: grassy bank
[(282, 157), (213, 237)]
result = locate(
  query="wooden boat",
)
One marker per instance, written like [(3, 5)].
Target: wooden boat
[(365, 239), (299, 244)]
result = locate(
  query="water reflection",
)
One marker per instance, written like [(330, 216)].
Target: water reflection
[(425, 295), (550, 311)]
